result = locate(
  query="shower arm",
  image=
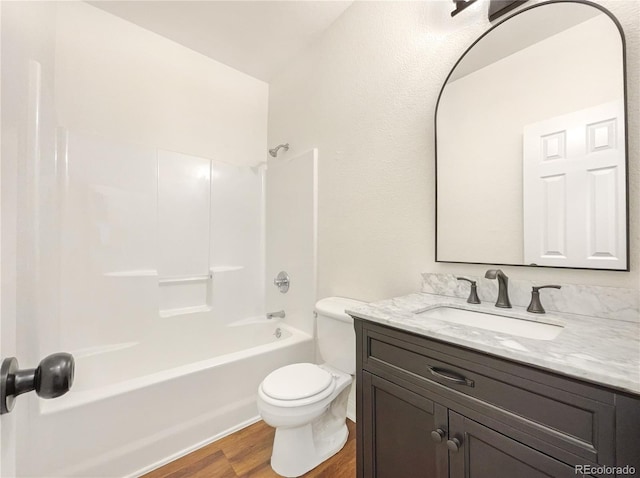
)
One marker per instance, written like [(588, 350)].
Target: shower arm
[(274, 151)]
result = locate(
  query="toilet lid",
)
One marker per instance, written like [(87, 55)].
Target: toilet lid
[(293, 382)]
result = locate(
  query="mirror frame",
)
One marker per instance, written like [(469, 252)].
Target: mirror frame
[(626, 133)]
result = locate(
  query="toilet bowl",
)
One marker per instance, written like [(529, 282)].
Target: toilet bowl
[(307, 403)]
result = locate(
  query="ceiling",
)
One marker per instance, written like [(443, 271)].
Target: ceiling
[(255, 37)]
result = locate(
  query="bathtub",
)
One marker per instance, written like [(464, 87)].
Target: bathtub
[(136, 406)]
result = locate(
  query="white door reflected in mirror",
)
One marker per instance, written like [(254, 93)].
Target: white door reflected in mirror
[(573, 189)]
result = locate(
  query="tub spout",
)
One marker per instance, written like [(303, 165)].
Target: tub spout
[(280, 313)]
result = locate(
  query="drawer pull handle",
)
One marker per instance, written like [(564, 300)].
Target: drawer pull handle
[(437, 435), (450, 376), (453, 445)]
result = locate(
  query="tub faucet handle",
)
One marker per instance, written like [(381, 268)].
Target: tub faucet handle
[(473, 293), (282, 282), (535, 306)]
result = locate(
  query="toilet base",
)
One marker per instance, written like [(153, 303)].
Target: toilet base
[(295, 453), (297, 450)]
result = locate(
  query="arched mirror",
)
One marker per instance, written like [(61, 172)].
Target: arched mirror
[(531, 160)]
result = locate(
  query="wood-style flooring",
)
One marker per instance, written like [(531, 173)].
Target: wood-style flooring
[(246, 453)]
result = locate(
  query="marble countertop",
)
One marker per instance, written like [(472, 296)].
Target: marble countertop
[(601, 351)]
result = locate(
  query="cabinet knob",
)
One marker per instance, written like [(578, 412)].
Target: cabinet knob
[(453, 445), (437, 435)]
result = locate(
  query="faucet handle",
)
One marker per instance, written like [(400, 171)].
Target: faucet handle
[(473, 294), (535, 306)]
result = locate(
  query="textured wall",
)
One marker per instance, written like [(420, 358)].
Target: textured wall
[(365, 94)]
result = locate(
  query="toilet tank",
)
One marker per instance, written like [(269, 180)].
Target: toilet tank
[(336, 336)]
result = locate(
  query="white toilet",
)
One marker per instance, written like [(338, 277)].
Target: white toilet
[(307, 403)]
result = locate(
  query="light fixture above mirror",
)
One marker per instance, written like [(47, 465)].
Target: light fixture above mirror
[(460, 5), (497, 8)]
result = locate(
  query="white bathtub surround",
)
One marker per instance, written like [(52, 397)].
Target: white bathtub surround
[(107, 271), (237, 247), (148, 233), (138, 407), (211, 237), (594, 301), (292, 233), (184, 201), (606, 352)]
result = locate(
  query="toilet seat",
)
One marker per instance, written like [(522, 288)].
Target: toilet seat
[(297, 385)]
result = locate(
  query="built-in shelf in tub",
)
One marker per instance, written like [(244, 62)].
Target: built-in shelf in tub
[(181, 279), (218, 269), (184, 311)]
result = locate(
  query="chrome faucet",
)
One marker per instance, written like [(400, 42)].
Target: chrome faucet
[(503, 287), (280, 314)]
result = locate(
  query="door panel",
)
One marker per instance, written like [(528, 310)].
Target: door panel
[(397, 432), (574, 189), (484, 453), (28, 157)]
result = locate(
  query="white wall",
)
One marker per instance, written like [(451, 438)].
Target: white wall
[(365, 95), (489, 108), (121, 81)]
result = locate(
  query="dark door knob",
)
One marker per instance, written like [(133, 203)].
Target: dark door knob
[(437, 435), (453, 445), (52, 378)]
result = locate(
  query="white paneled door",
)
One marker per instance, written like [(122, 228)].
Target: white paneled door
[(574, 188)]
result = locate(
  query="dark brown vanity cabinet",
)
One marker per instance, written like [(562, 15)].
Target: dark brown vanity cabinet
[(434, 410), (397, 440), (488, 454)]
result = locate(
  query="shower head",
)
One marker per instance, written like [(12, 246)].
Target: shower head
[(274, 152)]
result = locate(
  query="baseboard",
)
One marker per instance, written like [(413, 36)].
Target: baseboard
[(195, 447)]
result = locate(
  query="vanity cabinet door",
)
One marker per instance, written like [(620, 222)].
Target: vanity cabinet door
[(397, 432), (484, 453)]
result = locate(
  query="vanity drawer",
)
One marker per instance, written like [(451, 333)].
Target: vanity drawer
[(552, 409)]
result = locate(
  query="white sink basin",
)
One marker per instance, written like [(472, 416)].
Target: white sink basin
[(497, 323)]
